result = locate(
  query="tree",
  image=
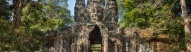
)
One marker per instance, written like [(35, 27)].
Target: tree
[(37, 17), (148, 13), (162, 16), (50, 15), (18, 5), (186, 23)]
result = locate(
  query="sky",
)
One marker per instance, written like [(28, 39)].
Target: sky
[(71, 4)]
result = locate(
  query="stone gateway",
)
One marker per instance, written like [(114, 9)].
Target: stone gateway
[(96, 29)]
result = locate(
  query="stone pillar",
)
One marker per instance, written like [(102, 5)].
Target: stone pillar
[(120, 48), (116, 47), (60, 47), (79, 47), (142, 48), (86, 45), (58, 43), (73, 47), (132, 46), (126, 47), (105, 44)]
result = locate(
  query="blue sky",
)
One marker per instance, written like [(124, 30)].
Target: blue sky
[(71, 4)]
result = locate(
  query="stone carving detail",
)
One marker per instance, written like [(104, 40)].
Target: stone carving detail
[(90, 15), (96, 10), (111, 12), (79, 11)]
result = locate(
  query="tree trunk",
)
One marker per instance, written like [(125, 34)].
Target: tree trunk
[(17, 14), (186, 23), (18, 5)]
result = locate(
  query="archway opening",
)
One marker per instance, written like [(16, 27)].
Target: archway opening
[(95, 40)]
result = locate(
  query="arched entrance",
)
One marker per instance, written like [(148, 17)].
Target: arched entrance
[(95, 40)]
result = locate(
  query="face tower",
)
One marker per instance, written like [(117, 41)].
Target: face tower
[(95, 22)]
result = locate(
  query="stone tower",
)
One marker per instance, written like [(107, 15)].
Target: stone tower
[(96, 23)]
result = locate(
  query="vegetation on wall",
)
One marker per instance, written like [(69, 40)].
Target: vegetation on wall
[(163, 16)]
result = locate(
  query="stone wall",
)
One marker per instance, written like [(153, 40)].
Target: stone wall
[(146, 40)]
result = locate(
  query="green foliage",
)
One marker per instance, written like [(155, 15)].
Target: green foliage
[(146, 14), (162, 15), (158, 15), (37, 17), (45, 17)]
